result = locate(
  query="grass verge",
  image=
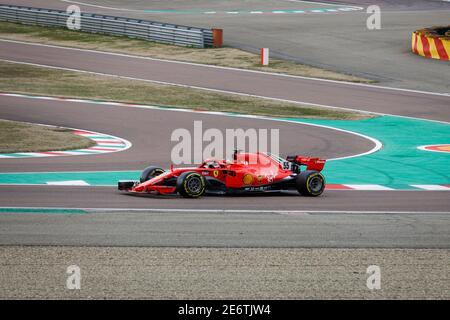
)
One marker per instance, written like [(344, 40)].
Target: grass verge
[(227, 57), (22, 78), (25, 137)]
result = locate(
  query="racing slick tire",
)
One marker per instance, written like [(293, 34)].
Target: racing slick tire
[(310, 183), (150, 172), (191, 184)]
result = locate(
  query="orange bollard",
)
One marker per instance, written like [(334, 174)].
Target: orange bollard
[(217, 38)]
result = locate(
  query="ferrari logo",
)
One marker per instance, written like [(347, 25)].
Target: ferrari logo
[(216, 173), (247, 179)]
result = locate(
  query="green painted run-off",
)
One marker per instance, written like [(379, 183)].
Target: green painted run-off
[(399, 162)]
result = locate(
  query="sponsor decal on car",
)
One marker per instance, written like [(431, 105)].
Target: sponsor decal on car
[(247, 179)]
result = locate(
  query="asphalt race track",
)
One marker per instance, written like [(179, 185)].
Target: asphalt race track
[(150, 130), (230, 229), (322, 92), (151, 127), (340, 201), (333, 40)]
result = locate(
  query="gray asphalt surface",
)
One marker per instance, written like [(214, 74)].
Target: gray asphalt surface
[(383, 55), (192, 228), (107, 197), (428, 106)]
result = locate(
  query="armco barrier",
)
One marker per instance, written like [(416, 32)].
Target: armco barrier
[(96, 23), (432, 42)]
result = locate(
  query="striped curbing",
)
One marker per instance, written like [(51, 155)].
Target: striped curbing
[(426, 44), (104, 143)]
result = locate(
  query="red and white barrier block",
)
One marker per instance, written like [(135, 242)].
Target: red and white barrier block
[(265, 56)]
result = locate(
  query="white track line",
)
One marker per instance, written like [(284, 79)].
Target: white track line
[(431, 187), (68, 183), (101, 7), (231, 68), (143, 10), (325, 4), (368, 187)]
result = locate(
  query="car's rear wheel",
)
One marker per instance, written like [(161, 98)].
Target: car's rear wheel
[(191, 184), (310, 183), (150, 173)]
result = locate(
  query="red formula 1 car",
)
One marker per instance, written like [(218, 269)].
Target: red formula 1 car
[(248, 172)]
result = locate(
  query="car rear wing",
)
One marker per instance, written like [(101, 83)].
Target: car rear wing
[(310, 163)]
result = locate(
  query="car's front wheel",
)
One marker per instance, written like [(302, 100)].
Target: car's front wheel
[(310, 183), (191, 185), (150, 172)]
